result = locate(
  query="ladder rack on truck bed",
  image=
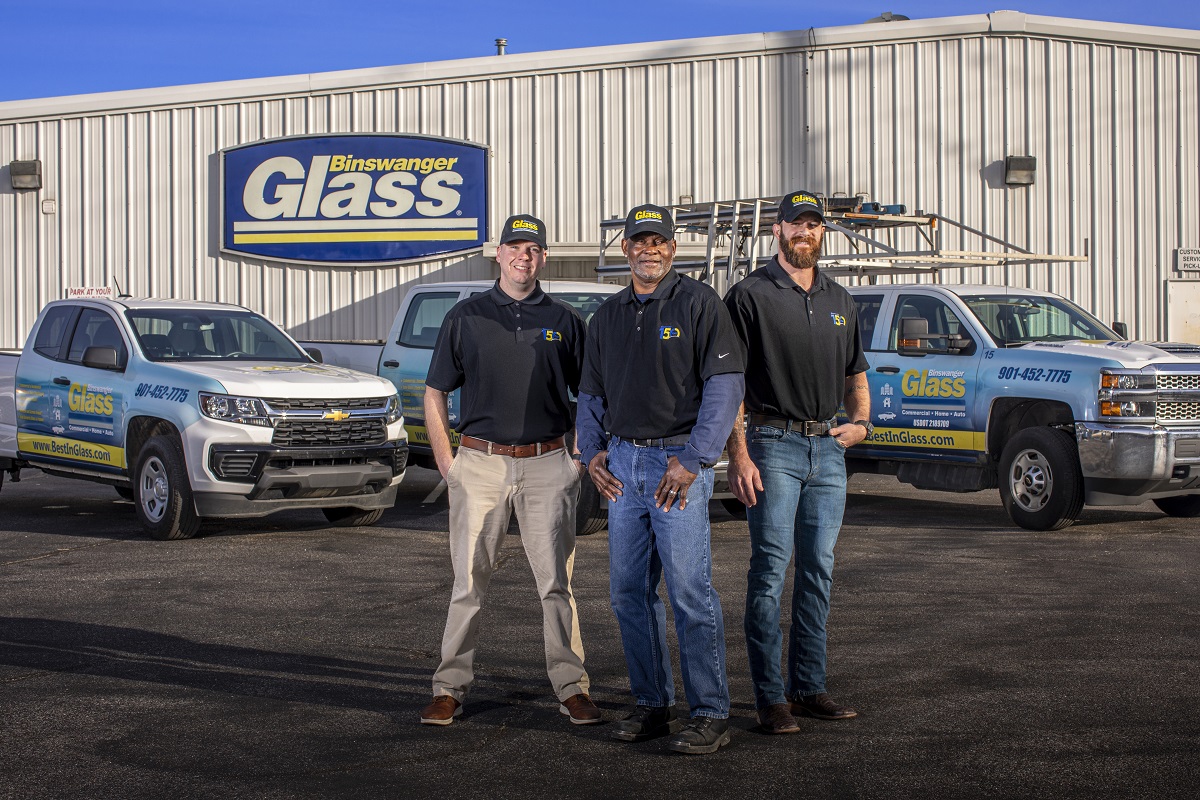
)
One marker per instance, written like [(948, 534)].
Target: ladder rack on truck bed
[(876, 240)]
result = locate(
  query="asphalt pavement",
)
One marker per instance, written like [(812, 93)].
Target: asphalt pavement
[(283, 658)]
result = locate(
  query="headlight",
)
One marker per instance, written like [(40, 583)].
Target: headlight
[(393, 409), (1126, 380), (227, 408)]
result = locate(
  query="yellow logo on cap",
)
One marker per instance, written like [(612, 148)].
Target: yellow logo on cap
[(647, 215), (524, 225), (804, 198)]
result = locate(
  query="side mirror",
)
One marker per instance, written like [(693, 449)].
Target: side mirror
[(915, 340), (316, 354), (1121, 329), (102, 357)]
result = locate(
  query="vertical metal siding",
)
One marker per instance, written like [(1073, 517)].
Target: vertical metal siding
[(924, 122)]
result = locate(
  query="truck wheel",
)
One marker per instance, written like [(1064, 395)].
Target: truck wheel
[(1040, 480), (163, 495), (591, 514), (352, 517), (1187, 505)]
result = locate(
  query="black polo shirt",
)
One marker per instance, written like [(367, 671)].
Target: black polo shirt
[(516, 361), (650, 358), (800, 346)]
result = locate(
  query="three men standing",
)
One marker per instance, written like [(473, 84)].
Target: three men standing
[(661, 383), (516, 353), (804, 358)]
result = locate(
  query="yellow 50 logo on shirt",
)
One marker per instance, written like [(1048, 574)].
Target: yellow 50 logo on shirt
[(667, 332), (551, 336), (838, 319)]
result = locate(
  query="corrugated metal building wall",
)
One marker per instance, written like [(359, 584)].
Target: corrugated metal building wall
[(921, 113)]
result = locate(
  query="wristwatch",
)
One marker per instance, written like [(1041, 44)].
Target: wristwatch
[(866, 423)]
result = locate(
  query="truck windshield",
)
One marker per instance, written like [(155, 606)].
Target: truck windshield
[(1014, 320), (185, 334)]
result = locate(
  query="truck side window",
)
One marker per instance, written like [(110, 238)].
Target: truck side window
[(868, 314), (424, 318), (95, 329), (943, 322), (53, 330)]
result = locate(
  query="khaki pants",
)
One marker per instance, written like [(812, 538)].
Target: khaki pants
[(484, 492)]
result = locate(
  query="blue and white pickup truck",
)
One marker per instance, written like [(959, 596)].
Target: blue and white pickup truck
[(194, 410), (979, 387)]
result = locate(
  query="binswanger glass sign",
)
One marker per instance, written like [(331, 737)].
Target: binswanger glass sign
[(354, 199)]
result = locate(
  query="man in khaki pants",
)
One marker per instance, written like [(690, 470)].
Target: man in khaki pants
[(516, 353)]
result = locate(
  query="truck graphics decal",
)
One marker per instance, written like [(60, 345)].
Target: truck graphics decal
[(939, 440), (78, 421), (71, 449), (354, 199)]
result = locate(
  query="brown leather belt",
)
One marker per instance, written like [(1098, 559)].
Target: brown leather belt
[(808, 427), (512, 450)]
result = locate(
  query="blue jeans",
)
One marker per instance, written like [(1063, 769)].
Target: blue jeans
[(644, 543), (799, 510)]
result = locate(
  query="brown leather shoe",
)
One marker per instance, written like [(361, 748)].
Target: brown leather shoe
[(821, 706), (777, 718), (581, 709), (441, 711)]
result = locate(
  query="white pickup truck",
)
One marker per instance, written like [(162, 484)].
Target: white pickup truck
[(980, 387), (196, 410)]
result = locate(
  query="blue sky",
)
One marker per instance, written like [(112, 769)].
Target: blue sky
[(50, 48)]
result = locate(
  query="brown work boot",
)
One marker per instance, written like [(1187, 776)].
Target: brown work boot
[(821, 706), (777, 718), (441, 711), (581, 709)]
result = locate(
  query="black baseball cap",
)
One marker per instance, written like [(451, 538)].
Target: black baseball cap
[(650, 218), (524, 228), (793, 204)]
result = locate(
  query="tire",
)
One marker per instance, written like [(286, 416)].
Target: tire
[(352, 517), (163, 494), (735, 507), (1187, 505), (124, 492), (591, 514), (1041, 483)]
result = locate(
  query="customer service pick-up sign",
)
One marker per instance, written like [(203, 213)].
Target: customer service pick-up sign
[(354, 199)]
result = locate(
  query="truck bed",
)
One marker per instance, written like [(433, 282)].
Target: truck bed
[(8, 403)]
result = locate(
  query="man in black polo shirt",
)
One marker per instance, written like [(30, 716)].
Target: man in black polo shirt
[(661, 384), (803, 359), (516, 353)]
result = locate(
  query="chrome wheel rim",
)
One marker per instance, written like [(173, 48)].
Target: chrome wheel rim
[(1029, 481), (155, 489)]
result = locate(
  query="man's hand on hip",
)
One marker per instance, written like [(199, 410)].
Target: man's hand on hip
[(673, 486), (606, 483)]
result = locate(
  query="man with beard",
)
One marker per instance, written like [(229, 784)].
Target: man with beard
[(804, 358), (662, 380)]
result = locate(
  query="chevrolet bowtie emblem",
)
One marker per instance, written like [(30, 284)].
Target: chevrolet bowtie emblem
[(336, 415)]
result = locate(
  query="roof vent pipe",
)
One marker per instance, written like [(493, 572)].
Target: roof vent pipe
[(500, 45)]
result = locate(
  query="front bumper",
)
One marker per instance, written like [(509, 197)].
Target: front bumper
[(1126, 464), (270, 478)]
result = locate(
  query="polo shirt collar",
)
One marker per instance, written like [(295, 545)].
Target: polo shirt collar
[(664, 289), (501, 299), (784, 281)]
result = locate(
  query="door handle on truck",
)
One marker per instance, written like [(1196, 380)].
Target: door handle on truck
[(391, 364), (888, 370), (63, 381)]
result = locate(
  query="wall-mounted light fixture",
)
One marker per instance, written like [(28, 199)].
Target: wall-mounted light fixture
[(25, 174), (1019, 170)]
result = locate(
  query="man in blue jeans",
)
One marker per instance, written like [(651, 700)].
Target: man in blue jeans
[(662, 380), (804, 358)]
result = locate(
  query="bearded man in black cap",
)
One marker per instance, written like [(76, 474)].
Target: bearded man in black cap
[(804, 359)]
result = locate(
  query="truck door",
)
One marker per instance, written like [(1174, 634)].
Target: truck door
[(921, 404), (77, 415), (405, 361)]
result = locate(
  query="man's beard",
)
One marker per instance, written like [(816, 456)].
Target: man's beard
[(800, 259)]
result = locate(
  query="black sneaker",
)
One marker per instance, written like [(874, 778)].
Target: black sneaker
[(646, 722), (702, 735)]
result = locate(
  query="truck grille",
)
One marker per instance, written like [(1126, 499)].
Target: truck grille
[(1170, 382), (1178, 412), (321, 433), (345, 404)]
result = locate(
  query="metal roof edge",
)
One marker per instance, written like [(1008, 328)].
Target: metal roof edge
[(1000, 22)]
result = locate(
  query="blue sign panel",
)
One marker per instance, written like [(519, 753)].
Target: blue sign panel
[(354, 199)]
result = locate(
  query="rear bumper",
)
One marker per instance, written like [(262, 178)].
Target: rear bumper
[(1125, 464)]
